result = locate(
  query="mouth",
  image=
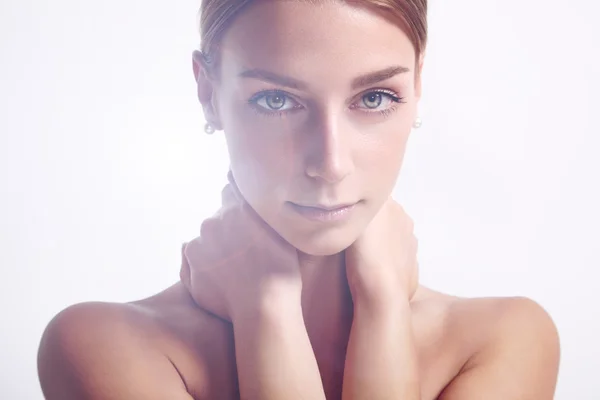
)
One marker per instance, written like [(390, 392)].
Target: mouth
[(324, 212)]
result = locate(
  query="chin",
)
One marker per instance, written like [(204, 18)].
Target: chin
[(325, 244)]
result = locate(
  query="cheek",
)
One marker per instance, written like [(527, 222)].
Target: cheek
[(382, 153), (257, 151), (262, 158), (379, 162)]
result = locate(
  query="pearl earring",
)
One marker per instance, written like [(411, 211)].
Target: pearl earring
[(418, 122), (209, 129)]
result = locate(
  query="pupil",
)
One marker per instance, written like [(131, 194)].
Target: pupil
[(275, 101), (373, 100)]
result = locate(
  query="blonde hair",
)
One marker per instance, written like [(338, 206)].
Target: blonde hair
[(216, 16)]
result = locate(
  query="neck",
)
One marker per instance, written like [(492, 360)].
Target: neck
[(327, 309), (325, 292), (310, 264), (322, 275)]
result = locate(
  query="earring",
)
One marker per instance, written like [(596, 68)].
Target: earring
[(418, 122), (209, 129)]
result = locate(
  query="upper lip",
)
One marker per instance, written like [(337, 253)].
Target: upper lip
[(326, 207)]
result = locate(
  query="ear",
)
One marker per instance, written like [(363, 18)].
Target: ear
[(418, 77), (205, 87)]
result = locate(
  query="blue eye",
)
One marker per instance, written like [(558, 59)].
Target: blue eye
[(279, 103), (376, 99), (372, 100), (273, 101)]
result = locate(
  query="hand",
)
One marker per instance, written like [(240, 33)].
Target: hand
[(238, 260), (241, 270), (381, 266), (383, 262)]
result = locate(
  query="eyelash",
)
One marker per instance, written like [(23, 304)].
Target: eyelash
[(253, 102)]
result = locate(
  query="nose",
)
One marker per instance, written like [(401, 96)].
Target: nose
[(329, 150)]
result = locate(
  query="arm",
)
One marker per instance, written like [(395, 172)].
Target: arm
[(382, 272), (519, 363), (241, 270), (274, 356), (90, 352), (381, 361)]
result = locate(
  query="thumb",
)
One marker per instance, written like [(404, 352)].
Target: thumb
[(234, 187), (184, 272), (228, 196)]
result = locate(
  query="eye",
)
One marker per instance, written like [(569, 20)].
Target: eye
[(372, 100), (377, 100), (273, 101)]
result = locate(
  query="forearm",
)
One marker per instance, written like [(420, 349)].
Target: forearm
[(381, 360), (275, 360)]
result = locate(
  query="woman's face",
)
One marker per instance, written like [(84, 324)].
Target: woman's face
[(316, 102)]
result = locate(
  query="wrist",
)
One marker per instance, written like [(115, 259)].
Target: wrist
[(381, 302), (274, 300)]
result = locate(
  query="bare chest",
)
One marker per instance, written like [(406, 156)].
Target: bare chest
[(205, 356)]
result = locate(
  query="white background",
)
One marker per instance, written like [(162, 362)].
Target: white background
[(104, 169)]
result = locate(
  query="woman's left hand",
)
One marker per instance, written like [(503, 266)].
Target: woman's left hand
[(382, 262), (383, 275)]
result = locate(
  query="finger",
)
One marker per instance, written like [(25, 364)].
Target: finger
[(228, 196), (234, 186), (390, 202), (210, 226), (197, 251), (184, 272)]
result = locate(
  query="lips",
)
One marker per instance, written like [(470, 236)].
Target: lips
[(324, 212), (325, 207)]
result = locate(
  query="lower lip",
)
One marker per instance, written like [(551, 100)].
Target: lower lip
[(321, 215)]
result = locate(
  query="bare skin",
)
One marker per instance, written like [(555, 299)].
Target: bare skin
[(336, 136), (166, 347)]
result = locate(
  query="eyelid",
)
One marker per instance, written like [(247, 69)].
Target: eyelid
[(389, 92), (254, 101), (267, 92), (392, 96), (289, 95)]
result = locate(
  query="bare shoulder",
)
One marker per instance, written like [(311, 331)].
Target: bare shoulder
[(156, 348), (509, 347)]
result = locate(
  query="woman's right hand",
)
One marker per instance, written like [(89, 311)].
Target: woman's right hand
[(238, 261), (241, 270)]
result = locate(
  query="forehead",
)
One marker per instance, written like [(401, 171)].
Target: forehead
[(314, 39)]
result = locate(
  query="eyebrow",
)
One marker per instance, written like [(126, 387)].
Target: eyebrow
[(359, 82), (378, 76), (271, 77)]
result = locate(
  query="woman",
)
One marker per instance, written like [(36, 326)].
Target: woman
[(305, 284)]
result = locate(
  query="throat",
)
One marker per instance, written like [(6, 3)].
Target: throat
[(327, 309), (326, 297)]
